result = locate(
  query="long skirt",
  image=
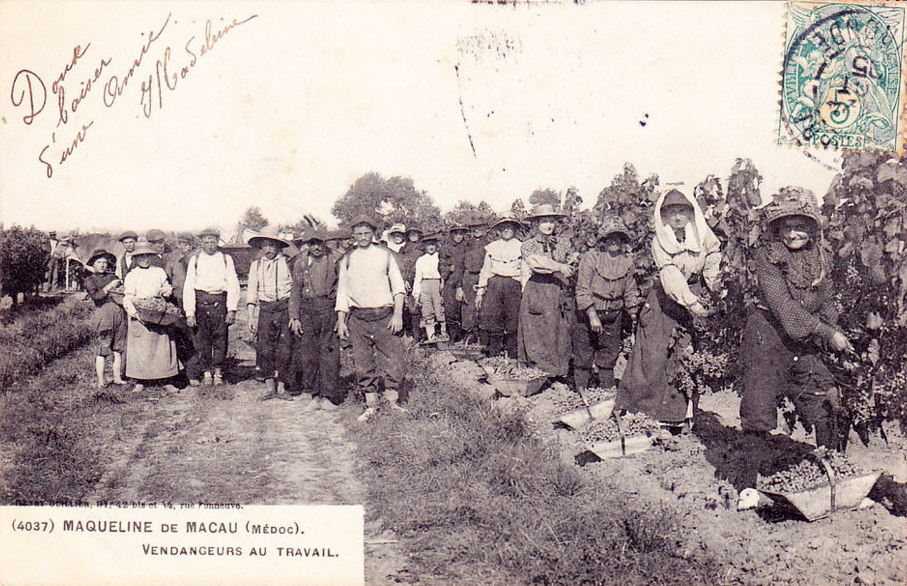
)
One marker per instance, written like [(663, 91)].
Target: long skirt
[(543, 336), (150, 352), (646, 385)]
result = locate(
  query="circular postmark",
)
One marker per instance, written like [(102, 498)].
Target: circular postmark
[(842, 76)]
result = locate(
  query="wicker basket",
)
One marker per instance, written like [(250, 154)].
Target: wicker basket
[(157, 318)]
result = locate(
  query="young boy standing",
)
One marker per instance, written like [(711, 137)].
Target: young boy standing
[(500, 288), (606, 292), (427, 290), (210, 298), (268, 291), (370, 295)]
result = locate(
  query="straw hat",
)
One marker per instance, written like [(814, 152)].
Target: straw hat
[(545, 210), (397, 229), (507, 218), (143, 247), (268, 233)]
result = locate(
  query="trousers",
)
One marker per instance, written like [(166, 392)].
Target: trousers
[(273, 339), (210, 333), (318, 350), (377, 353)]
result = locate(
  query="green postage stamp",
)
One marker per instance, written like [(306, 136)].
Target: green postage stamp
[(842, 79)]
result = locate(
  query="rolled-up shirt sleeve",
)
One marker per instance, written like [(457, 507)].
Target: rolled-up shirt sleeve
[(343, 288), (398, 285), (232, 284), (189, 287)]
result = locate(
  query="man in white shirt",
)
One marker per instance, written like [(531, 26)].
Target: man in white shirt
[(500, 288), (370, 295), (210, 299), (270, 283), (427, 290)]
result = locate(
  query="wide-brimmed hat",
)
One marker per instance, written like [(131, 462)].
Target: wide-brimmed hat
[(100, 252), (316, 233), (268, 233), (612, 225), (397, 229), (128, 234), (793, 202), (458, 228), (363, 219), (414, 229), (154, 236), (432, 237), (143, 247), (507, 218), (210, 231), (545, 210), (675, 198)]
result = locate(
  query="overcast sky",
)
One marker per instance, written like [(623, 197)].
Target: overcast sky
[(288, 108)]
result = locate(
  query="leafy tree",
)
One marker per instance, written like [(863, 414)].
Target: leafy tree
[(518, 208), (543, 196), (24, 253), (572, 201), (253, 219), (390, 200)]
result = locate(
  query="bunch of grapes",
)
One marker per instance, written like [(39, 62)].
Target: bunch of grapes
[(606, 430), (809, 473), (500, 367), (157, 305)]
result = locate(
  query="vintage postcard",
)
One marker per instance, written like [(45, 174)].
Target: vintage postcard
[(505, 292)]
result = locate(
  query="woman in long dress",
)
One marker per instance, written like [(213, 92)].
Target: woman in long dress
[(686, 254), (547, 306), (150, 348)]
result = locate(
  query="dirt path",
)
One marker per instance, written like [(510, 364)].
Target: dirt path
[(203, 444)]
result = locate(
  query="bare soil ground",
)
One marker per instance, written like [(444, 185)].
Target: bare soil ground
[(221, 444), (692, 475)]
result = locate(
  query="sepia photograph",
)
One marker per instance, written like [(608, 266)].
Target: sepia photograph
[(472, 292)]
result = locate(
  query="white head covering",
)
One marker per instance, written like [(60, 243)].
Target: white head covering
[(697, 234)]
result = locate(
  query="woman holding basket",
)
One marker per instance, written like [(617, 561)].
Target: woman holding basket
[(150, 347)]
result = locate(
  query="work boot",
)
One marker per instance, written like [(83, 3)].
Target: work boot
[(327, 405), (443, 337), (207, 380), (218, 377), (314, 405)]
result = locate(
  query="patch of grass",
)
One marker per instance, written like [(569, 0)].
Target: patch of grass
[(34, 336), (476, 497)]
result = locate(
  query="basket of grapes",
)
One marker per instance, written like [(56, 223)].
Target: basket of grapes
[(156, 311), (819, 485), (509, 378), (620, 435)]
